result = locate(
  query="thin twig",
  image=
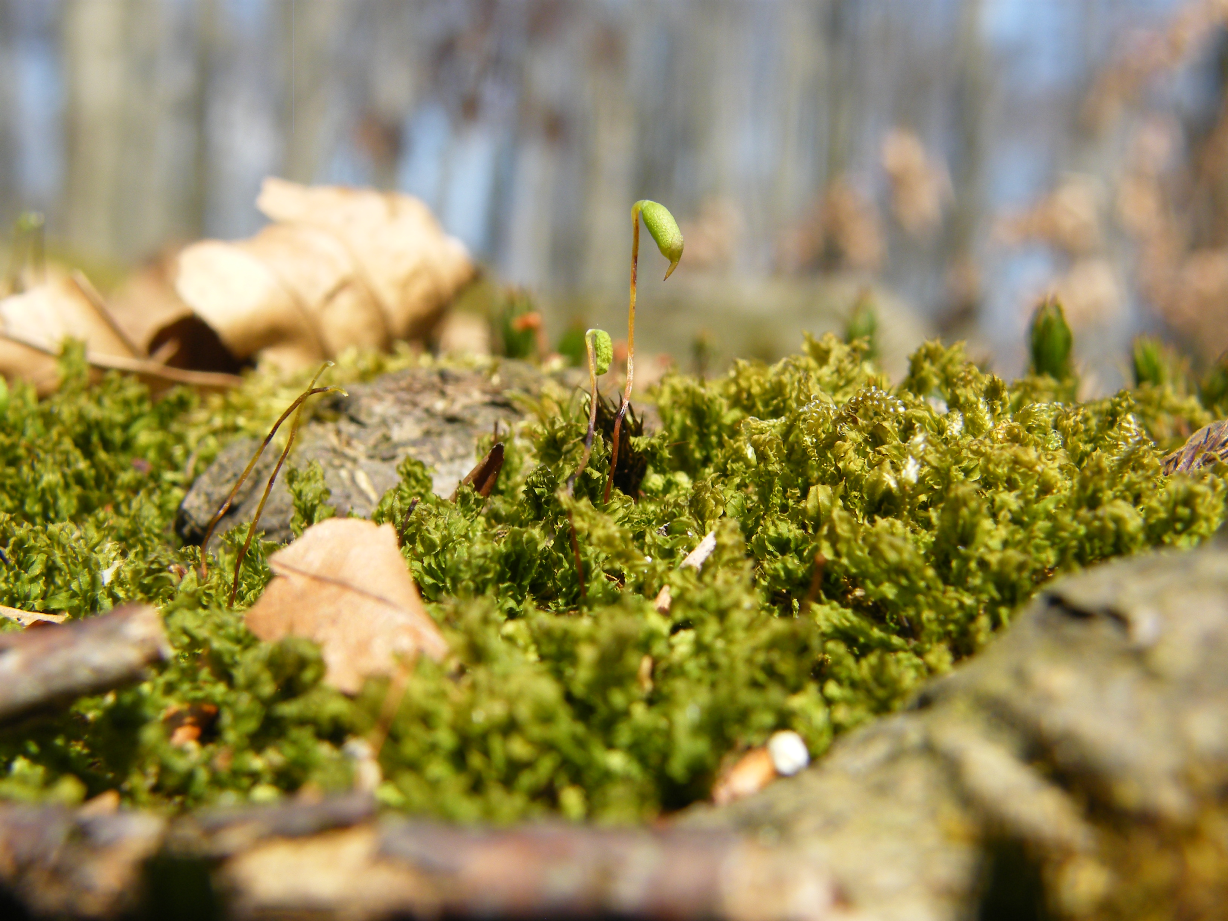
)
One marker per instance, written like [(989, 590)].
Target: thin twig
[(225, 507), (622, 409), (816, 582), (393, 697), (592, 421), (268, 488), (575, 549)]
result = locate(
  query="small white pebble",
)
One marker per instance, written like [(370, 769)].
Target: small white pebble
[(109, 573), (788, 751)]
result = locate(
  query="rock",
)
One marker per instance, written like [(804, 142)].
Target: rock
[(1079, 762), (435, 415)]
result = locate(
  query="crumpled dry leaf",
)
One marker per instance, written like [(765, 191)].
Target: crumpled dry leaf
[(695, 560), (35, 323), (339, 267), (1068, 218), (920, 186), (26, 618), (150, 311), (345, 585), (1207, 446)]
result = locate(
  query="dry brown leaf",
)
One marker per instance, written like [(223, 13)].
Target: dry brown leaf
[(34, 324), (345, 585), (1205, 448), (339, 268), (161, 325), (920, 187), (187, 723), (752, 772), (26, 618)]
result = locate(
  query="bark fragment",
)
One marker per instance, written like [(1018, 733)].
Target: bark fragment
[(53, 666)]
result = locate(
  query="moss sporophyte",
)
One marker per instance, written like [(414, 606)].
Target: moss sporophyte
[(939, 505), (664, 230)]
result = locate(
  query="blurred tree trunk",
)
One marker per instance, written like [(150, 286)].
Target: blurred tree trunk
[(206, 55), (841, 104), (94, 52), (9, 193), (961, 299), (306, 39)]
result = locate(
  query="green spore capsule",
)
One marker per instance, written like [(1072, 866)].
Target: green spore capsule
[(1052, 342), (664, 230), (603, 350)]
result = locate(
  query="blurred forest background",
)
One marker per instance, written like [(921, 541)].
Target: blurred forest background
[(950, 161)]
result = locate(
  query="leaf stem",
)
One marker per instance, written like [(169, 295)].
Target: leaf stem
[(626, 401)]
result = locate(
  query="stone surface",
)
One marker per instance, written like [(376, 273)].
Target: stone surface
[(1085, 751), (433, 414)]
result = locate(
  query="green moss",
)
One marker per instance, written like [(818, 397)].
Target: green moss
[(938, 505)]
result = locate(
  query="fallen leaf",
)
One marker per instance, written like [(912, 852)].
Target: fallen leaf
[(339, 268), (34, 323), (345, 585), (485, 473), (186, 724), (155, 319), (750, 774), (784, 755), (697, 557), (26, 618), (1205, 447), (694, 560)]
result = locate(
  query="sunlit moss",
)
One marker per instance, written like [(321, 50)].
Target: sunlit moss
[(938, 506)]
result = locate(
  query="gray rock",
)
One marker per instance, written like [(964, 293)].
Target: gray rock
[(1080, 763), (435, 415)]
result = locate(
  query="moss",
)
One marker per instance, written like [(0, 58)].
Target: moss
[(938, 506)]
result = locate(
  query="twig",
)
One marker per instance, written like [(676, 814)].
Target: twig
[(218, 515), (816, 582), (55, 665), (268, 488), (208, 379), (575, 549)]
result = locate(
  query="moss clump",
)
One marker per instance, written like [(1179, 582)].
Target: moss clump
[(939, 506)]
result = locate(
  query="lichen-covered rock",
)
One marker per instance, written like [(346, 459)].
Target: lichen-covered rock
[(433, 414), (1085, 751)]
